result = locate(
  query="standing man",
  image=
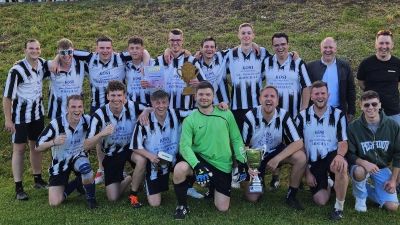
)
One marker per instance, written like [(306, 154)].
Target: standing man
[(174, 84), (325, 142), (112, 126), (23, 111), (205, 147), (134, 75), (65, 136), (337, 73), (273, 127), (213, 65), (381, 73), (68, 81), (374, 144), (290, 77)]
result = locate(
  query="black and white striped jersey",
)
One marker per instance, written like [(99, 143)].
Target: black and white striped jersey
[(156, 137), (257, 132), (245, 71), (64, 155), (174, 84), (289, 78), (100, 74), (321, 135), (123, 126), (215, 73), (64, 84), (24, 87), (135, 92)]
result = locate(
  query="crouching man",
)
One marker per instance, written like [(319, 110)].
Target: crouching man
[(65, 136)]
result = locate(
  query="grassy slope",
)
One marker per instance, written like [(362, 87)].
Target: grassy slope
[(352, 23)]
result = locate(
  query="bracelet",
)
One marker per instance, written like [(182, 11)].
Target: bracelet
[(340, 155), (54, 143)]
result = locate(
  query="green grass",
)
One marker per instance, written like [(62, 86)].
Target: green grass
[(352, 23)]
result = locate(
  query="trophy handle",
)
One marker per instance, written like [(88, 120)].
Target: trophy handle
[(179, 72), (197, 71)]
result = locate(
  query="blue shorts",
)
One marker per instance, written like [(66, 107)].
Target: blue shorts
[(375, 192)]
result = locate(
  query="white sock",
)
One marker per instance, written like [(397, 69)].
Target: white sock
[(339, 205)]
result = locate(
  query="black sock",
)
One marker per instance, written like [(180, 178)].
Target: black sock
[(71, 186), (291, 192), (275, 177), (90, 190), (18, 186), (134, 193), (37, 178), (181, 192)]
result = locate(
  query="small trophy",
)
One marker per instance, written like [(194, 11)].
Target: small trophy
[(165, 159), (254, 158), (187, 72)]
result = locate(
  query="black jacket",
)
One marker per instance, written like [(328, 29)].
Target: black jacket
[(347, 89)]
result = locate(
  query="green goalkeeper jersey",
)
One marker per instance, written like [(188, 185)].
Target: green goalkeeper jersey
[(210, 136)]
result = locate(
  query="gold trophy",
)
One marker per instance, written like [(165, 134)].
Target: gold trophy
[(187, 72), (254, 158)]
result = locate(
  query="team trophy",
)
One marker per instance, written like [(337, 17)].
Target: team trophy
[(254, 158), (165, 159), (187, 72)]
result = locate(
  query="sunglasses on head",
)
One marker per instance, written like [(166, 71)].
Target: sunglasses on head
[(65, 52), (384, 32), (374, 104)]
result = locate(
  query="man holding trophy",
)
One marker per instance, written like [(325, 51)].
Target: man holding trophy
[(266, 128)]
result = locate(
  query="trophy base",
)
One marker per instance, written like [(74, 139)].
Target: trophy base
[(255, 189), (188, 91)]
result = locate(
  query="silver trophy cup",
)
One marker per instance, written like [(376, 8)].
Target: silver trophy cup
[(254, 158)]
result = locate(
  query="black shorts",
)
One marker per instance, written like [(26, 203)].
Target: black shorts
[(220, 180), (32, 130), (114, 166), (62, 178), (320, 170), (263, 165), (158, 185), (239, 115)]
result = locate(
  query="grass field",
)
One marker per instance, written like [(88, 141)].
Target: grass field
[(352, 23)]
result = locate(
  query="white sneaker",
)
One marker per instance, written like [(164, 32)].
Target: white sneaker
[(193, 193), (330, 181), (235, 177), (99, 176), (361, 206)]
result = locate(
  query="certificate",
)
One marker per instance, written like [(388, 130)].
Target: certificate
[(155, 76)]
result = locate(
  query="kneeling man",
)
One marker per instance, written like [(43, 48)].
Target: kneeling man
[(268, 126), (65, 136), (325, 142)]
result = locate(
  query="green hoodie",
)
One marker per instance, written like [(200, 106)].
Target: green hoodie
[(380, 148)]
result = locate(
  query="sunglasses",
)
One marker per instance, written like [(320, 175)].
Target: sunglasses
[(374, 104), (65, 52), (384, 32)]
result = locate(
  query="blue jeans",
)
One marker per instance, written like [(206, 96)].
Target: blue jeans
[(375, 192)]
